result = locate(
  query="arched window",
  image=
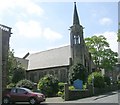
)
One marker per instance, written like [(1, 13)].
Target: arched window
[(76, 39)]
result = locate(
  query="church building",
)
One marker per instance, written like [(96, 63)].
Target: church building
[(57, 61)]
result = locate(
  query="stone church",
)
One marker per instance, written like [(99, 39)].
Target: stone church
[(57, 61)]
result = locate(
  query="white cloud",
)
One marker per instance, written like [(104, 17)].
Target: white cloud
[(111, 39), (26, 6), (51, 35), (31, 29), (105, 21)]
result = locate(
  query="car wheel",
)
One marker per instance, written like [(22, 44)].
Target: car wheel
[(6, 100), (32, 101)]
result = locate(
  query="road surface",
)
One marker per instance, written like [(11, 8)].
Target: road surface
[(112, 98)]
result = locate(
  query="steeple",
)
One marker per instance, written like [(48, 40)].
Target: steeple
[(76, 39), (75, 16)]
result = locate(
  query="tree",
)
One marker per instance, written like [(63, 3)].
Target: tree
[(48, 85), (118, 34), (11, 65), (98, 80), (102, 55), (19, 74), (108, 59), (25, 83), (77, 71)]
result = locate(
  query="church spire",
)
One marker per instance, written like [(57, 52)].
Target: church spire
[(75, 16)]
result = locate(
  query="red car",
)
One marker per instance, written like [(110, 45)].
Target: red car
[(21, 95)]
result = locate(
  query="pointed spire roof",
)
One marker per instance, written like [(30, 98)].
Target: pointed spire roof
[(75, 15)]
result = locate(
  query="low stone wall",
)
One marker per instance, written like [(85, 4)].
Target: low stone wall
[(105, 90), (77, 94)]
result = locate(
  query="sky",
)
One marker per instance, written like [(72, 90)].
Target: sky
[(39, 26)]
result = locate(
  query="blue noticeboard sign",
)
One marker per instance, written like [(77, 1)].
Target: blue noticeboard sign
[(78, 84)]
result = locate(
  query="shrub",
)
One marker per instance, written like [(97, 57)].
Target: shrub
[(48, 85), (25, 83), (107, 80), (11, 85), (84, 86), (77, 71), (19, 74), (71, 88), (61, 86), (98, 80), (60, 93)]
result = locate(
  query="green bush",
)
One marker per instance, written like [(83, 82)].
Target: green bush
[(61, 86), (25, 83), (11, 85), (60, 93), (19, 74), (48, 85), (98, 80), (71, 88), (107, 80), (84, 86), (77, 71)]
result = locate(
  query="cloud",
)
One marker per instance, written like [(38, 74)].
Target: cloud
[(26, 6), (105, 21), (30, 29), (51, 35), (111, 39)]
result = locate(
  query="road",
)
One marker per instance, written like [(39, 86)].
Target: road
[(111, 98)]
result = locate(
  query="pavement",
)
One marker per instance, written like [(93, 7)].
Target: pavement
[(111, 97), (54, 100)]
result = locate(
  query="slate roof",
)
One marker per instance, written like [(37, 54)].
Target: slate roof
[(49, 58)]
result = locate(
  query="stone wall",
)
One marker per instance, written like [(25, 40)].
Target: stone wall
[(60, 72), (78, 94)]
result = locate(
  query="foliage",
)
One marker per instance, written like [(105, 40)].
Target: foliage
[(11, 85), (60, 93), (84, 86), (19, 74), (77, 71), (11, 65), (61, 89), (61, 86), (98, 80), (118, 34), (25, 83), (107, 80), (108, 59), (71, 88), (48, 85), (102, 55)]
